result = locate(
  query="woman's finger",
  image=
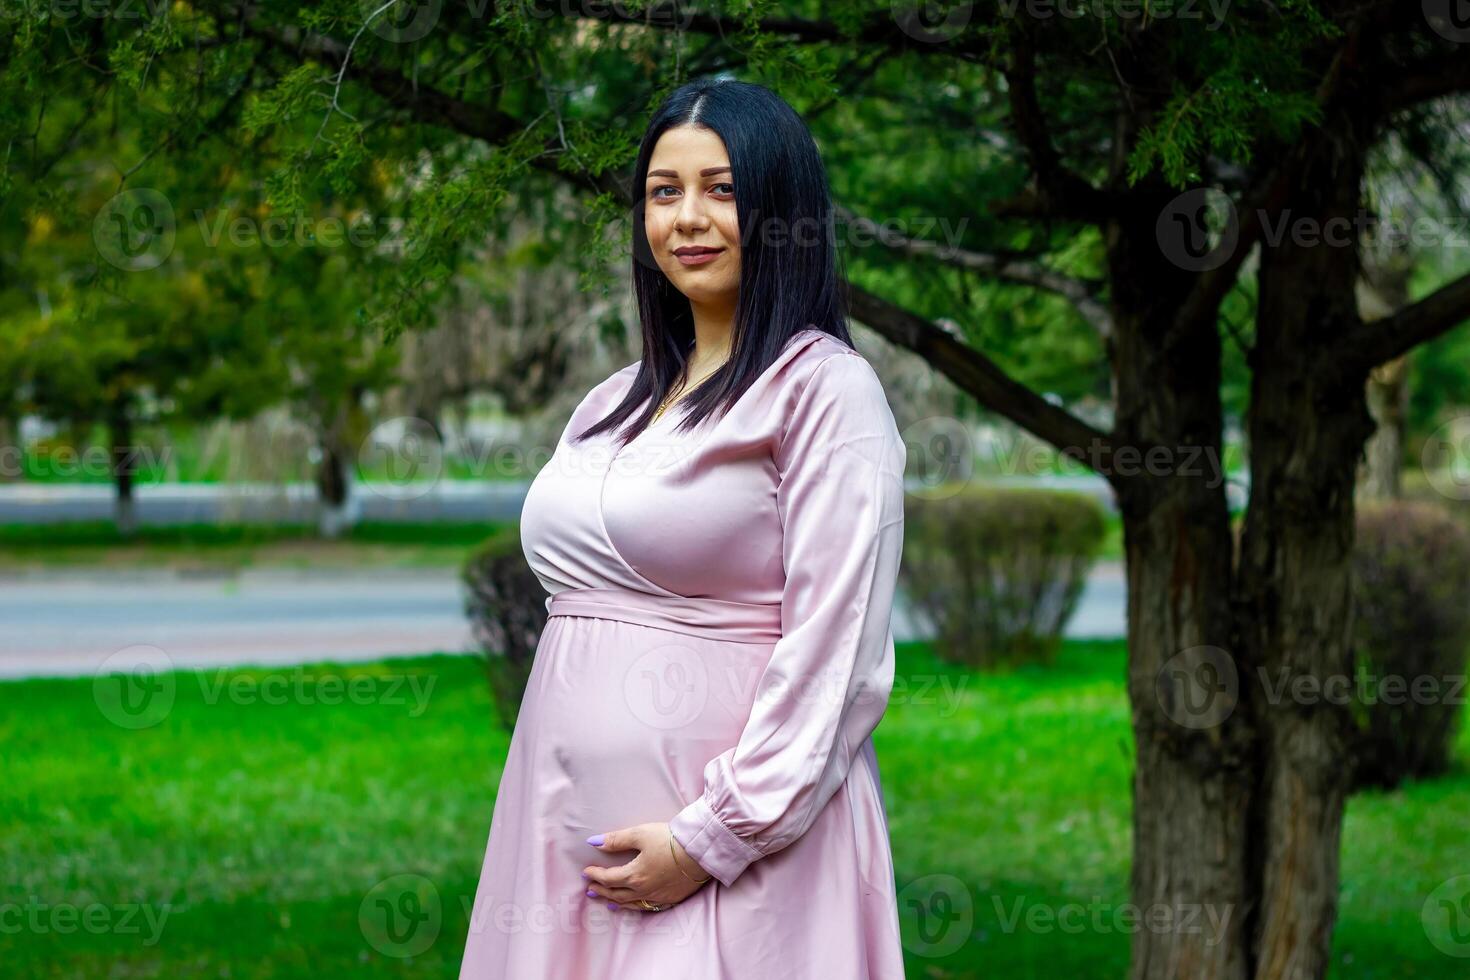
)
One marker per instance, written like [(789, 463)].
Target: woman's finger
[(616, 894), (614, 877)]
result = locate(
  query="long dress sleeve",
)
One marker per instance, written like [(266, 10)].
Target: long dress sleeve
[(840, 494)]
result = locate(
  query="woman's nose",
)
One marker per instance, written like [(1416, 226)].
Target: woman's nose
[(691, 213)]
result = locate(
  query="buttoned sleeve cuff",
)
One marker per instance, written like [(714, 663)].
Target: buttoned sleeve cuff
[(710, 843)]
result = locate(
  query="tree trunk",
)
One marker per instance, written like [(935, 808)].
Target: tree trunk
[(1191, 786), (12, 462), (1383, 290), (124, 462), (1388, 404), (1308, 424), (338, 505), (333, 489)]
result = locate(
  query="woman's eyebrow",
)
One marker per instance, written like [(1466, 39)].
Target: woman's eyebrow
[(674, 173)]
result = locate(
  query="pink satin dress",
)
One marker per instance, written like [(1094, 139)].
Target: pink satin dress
[(718, 654)]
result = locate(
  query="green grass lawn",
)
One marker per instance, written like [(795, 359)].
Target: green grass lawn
[(233, 547), (252, 829)]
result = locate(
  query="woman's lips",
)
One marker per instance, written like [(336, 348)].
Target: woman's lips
[(698, 258)]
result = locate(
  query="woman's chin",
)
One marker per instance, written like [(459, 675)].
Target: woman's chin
[(697, 291)]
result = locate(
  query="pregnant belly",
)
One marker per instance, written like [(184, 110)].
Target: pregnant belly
[(619, 720)]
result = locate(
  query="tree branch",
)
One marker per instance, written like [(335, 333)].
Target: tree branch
[(1058, 190), (884, 27), (1379, 341), (1266, 198), (1448, 74), (425, 102), (981, 377), (1081, 293)]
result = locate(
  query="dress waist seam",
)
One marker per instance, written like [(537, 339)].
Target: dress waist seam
[(725, 620)]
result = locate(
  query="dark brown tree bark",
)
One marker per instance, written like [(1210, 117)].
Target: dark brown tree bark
[(1308, 422), (1191, 786)]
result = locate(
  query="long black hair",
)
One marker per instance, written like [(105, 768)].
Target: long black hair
[(788, 257)]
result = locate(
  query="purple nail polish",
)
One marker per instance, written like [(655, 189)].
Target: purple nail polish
[(595, 840), (591, 893), (612, 905), (585, 875)]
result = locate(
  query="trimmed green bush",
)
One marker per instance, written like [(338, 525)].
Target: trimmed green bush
[(1411, 640), (506, 606), (997, 572)]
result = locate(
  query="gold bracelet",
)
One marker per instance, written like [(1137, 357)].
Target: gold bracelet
[(676, 862)]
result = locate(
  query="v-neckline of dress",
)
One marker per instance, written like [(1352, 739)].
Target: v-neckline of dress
[(796, 340)]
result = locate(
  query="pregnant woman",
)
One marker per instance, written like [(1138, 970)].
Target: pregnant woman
[(691, 790)]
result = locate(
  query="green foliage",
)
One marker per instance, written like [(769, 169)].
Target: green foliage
[(1411, 641), (1232, 93), (1226, 115), (506, 606), (256, 118), (131, 57), (998, 572), (286, 101)]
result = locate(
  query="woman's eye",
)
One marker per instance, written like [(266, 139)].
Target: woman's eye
[(728, 188)]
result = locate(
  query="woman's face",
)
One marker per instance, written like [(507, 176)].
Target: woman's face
[(689, 204)]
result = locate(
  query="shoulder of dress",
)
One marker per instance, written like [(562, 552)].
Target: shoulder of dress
[(830, 362), (802, 363), (839, 393), (614, 382), (600, 398)]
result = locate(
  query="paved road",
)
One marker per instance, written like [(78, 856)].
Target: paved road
[(73, 622), (445, 500)]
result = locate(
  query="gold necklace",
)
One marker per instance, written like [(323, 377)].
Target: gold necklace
[(669, 399)]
